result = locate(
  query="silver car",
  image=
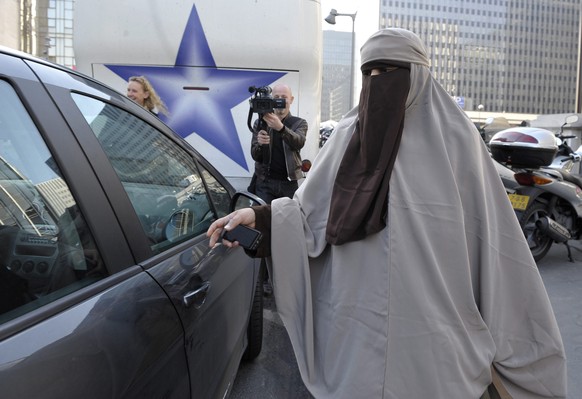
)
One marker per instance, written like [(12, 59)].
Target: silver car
[(108, 288)]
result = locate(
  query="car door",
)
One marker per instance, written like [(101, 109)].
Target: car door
[(78, 317), (156, 182)]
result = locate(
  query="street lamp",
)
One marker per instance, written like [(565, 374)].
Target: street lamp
[(330, 19)]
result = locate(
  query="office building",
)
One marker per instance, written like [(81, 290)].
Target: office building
[(335, 89), (43, 28), (517, 56)]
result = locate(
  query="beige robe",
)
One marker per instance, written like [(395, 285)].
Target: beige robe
[(424, 307)]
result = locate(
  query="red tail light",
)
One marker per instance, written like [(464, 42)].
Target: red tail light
[(528, 179)]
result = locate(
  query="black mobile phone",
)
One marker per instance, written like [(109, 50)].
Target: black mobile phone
[(247, 237)]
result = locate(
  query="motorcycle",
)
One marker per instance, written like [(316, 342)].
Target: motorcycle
[(548, 198), (324, 134)]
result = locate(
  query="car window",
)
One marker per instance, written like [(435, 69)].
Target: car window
[(218, 193), (160, 178), (46, 248)]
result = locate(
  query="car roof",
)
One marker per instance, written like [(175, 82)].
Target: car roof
[(29, 57)]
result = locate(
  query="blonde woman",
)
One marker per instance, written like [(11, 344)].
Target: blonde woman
[(140, 90)]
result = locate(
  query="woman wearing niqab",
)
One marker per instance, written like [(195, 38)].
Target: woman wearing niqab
[(399, 268)]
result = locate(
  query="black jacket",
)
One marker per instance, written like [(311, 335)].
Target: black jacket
[(293, 137)]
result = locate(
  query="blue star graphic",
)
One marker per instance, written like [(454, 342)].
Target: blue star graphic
[(199, 95)]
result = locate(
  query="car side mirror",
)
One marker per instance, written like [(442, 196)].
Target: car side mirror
[(244, 199)]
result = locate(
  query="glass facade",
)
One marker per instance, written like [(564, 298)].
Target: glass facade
[(60, 32), (518, 56), (44, 28), (335, 88)]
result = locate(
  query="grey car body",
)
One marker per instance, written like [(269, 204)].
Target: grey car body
[(108, 288)]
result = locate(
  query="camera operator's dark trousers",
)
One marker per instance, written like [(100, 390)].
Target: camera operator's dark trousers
[(270, 189)]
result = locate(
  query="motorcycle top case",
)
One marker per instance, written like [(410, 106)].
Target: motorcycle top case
[(525, 147)]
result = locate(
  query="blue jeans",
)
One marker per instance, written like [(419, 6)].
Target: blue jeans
[(270, 189)]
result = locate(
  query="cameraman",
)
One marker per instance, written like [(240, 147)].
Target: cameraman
[(275, 149)]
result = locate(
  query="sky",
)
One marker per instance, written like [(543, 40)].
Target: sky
[(366, 17), (366, 23)]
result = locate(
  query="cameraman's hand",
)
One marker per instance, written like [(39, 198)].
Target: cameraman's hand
[(273, 121), (263, 137)]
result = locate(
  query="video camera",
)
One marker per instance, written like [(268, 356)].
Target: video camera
[(262, 102)]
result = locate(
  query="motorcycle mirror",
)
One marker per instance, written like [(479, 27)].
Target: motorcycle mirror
[(571, 119)]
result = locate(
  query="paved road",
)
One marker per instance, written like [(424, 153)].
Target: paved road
[(563, 280), (274, 373)]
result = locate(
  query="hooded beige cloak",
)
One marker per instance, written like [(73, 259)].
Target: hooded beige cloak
[(424, 307)]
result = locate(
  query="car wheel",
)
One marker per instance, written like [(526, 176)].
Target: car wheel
[(255, 327)]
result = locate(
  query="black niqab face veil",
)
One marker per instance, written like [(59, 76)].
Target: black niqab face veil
[(359, 200)]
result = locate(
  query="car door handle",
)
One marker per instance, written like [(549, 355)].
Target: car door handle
[(197, 297)]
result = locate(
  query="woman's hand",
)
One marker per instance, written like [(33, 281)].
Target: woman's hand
[(244, 216)]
